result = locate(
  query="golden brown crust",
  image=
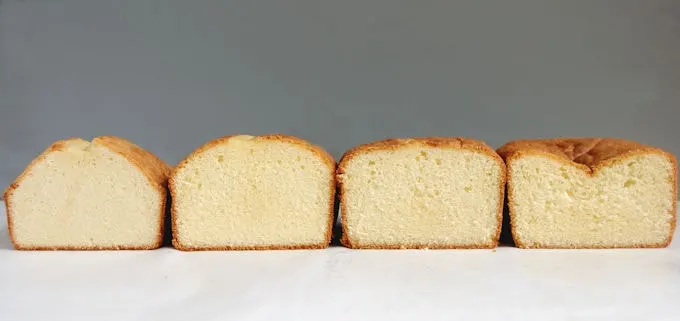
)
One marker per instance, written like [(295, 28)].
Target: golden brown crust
[(583, 152), (249, 248), (317, 150), (153, 168), (85, 248), (590, 155), (419, 246), (437, 142)]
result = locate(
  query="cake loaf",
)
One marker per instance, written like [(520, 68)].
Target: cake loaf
[(590, 193), (253, 193), (108, 194), (421, 193)]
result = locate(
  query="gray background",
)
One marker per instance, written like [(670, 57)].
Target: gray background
[(171, 75)]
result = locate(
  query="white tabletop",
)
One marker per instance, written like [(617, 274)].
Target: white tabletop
[(340, 284)]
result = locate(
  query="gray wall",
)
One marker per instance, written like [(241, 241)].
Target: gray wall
[(171, 75)]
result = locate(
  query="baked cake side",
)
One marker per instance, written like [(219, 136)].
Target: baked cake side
[(590, 193), (253, 193), (434, 192)]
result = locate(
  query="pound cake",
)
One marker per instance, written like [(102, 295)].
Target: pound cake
[(108, 194), (417, 193), (253, 193), (590, 193)]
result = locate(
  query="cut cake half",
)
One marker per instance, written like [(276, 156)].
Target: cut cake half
[(431, 192), (253, 193), (590, 193), (108, 194)]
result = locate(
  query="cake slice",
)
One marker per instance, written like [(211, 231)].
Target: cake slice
[(108, 194), (421, 193), (590, 193), (253, 193)]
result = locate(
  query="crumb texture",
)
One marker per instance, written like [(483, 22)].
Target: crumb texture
[(86, 195), (625, 198), (421, 193), (254, 192)]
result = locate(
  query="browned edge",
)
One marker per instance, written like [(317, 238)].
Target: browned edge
[(516, 149), (438, 142), (144, 160), (317, 150)]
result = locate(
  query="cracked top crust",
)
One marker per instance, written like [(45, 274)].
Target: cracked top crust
[(587, 151), (438, 142)]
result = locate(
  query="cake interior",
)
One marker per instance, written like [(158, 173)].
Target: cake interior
[(84, 196), (420, 197), (626, 204), (253, 193)]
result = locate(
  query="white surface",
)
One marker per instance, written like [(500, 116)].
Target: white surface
[(340, 284)]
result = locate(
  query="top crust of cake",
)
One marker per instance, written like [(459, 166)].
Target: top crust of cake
[(317, 150), (153, 168), (156, 170), (589, 154), (436, 142), (328, 159)]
